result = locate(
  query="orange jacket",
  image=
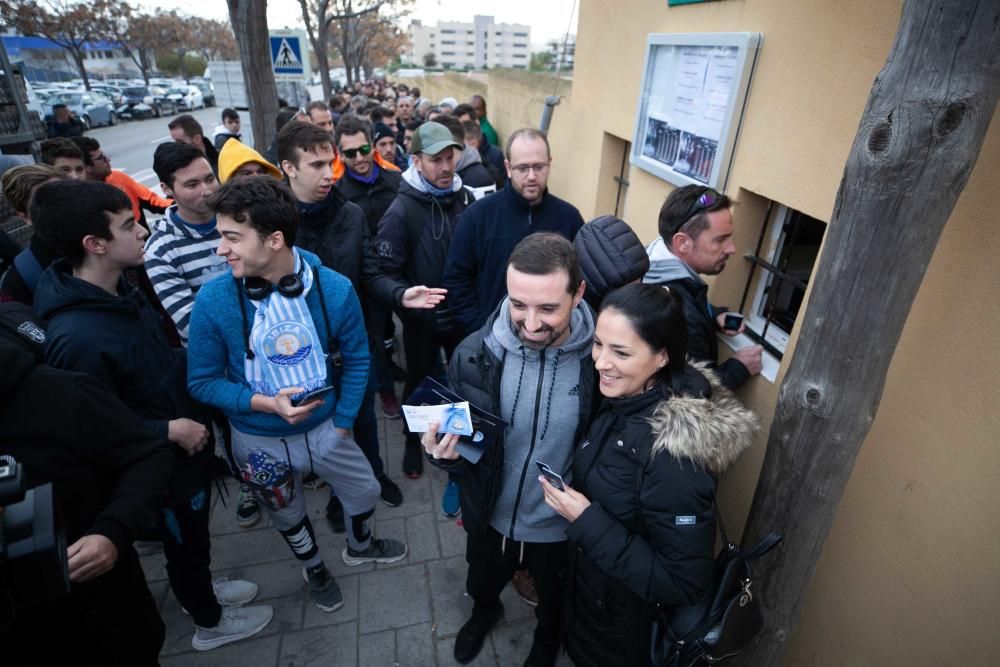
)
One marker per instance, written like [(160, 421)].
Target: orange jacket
[(137, 192), (338, 165)]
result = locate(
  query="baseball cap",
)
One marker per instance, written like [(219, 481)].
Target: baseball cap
[(432, 138)]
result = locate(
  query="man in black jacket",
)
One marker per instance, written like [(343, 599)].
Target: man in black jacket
[(489, 230), (696, 238), (336, 230), (101, 325), (529, 364), (109, 476), (413, 239), (373, 188)]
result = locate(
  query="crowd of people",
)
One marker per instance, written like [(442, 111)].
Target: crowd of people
[(245, 324)]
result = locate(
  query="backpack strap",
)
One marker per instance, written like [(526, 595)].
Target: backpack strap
[(29, 267)]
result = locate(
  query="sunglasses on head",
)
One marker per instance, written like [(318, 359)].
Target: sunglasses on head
[(352, 153), (707, 200)]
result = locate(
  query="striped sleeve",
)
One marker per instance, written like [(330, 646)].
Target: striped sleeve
[(169, 283)]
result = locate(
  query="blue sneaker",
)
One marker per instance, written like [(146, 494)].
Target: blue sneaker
[(449, 501)]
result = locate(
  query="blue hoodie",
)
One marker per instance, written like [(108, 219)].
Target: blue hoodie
[(216, 352)]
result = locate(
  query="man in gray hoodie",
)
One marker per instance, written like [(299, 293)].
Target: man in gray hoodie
[(529, 364)]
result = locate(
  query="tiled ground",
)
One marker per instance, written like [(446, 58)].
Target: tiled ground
[(407, 613)]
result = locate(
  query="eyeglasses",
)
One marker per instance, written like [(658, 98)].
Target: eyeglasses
[(707, 200), (103, 157), (523, 169), (351, 153)]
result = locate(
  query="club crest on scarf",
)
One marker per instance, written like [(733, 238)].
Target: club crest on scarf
[(287, 344)]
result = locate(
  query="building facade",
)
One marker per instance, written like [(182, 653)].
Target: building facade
[(43, 60), (481, 44)]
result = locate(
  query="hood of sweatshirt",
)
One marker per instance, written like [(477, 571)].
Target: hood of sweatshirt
[(60, 291), (540, 401), (235, 154), (665, 267), (469, 156), (412, 178)]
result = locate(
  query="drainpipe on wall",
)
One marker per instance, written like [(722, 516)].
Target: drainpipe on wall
[(550, 102)]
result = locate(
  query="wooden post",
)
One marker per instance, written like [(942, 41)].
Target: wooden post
[(918, 141), (249, 19)]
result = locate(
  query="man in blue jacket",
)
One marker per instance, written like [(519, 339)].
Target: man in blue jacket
[(488, 231), (278, 344)]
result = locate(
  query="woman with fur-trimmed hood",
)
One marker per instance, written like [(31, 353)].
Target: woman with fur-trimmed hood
[(642, 508)]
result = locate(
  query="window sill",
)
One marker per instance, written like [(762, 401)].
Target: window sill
[(770, 364)]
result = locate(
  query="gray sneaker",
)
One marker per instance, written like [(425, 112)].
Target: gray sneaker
[(323, 589), (235, 624), (379, 551)]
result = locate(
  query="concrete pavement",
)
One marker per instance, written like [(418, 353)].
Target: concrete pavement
[(407, 613)]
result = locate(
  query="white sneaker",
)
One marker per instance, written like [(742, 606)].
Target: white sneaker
[(236, 623), (234, 592)]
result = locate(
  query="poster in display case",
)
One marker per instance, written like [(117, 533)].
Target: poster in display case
[(690, 105)]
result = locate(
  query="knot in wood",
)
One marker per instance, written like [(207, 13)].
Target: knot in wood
[(813, 396), (881, 135), (950, 119)]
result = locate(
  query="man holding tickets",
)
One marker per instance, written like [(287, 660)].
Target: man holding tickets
[(530, 365)]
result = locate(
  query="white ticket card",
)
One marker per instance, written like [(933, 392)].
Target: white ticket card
[(453, 417)]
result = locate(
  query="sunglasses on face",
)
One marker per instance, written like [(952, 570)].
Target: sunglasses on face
[(351, 153)]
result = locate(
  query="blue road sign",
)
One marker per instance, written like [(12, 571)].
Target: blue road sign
[(286, 55)]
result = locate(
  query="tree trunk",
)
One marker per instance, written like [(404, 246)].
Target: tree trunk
[(77, 54), (918, 141), (249, 19)]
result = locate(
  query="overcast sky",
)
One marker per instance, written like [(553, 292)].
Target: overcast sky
[(548, 18)]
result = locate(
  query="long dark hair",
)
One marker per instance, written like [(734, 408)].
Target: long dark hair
[(657, 316)]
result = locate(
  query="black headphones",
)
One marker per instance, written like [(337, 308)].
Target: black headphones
[(257, 288)]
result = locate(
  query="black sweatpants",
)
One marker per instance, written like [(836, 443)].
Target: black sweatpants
[(492, 562), (187, 547)]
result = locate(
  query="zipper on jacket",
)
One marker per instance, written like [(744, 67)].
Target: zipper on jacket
[(531, 447)]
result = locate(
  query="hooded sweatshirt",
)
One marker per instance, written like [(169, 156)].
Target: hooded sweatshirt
[(235, 154), (221, 136), (539, 400), (474, 173)]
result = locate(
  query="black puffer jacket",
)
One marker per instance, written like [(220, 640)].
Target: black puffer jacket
[(336, 231), (475, 374), (373, 199), (611, 256), (649, 467)]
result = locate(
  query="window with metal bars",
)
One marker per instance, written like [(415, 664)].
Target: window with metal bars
[(780, 268)]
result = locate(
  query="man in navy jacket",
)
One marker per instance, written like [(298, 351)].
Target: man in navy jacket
[(488, 231)]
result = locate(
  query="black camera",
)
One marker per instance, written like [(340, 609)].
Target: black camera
[(33, 563)]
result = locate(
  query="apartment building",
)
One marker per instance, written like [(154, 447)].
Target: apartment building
[(479, 44)]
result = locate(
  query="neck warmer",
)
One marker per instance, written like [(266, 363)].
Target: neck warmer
[(367, 180), (432, 189), (287, 352)]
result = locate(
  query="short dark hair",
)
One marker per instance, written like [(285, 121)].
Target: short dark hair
[(415, 92), (337, 103), (18, 183), (454, 126), (350, 124), (299, 134), (543, 253), (52, 149), (171, 156), (64, 212), (230, 114), (414, 125), (187, 123), (265, 202), (472, 130), (463, 109), (316, 104), (284, 117), (529, 133), (86, 145), (380, 112), (657, 316), (674, 214)]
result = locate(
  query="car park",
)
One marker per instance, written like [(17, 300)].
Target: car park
[(186, 97), (146, 102), (207, 92), (91, 107)]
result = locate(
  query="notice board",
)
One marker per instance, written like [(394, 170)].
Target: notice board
[(694, 88)]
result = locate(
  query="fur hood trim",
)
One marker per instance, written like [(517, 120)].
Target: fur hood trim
[(713, 432)]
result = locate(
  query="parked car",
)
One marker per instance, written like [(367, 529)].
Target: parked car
[(114, 93), (91, 107), (207, 92), (142, 102), (186, 97)]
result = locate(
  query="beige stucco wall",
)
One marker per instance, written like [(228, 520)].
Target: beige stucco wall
[(911, 570)]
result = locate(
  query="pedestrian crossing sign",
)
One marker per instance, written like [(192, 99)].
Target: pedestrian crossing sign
[(287, 59)]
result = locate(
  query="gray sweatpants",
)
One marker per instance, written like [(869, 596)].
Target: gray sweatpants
[(336, 460)]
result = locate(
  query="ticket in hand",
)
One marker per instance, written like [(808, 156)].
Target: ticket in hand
[(452, 417)]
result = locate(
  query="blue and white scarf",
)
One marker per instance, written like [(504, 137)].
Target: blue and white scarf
[(287, 349)]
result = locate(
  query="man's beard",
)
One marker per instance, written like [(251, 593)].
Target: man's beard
[(553, 335)]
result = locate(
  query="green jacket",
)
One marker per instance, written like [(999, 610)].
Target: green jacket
[(489, 132)]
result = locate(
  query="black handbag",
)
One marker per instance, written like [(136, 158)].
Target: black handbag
[(724, 622)]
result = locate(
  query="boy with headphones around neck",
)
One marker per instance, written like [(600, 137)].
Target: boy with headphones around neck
[(278, 344)]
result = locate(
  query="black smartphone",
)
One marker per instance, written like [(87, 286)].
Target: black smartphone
[(555, 479), (310, 396)]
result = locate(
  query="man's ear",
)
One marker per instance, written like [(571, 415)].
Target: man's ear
[(680, 242), (94, 245), (276, 240), (288, 168), (167, 190), (579, 293)]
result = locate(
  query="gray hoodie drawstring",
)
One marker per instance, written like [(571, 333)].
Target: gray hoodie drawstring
[(548, 400)]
